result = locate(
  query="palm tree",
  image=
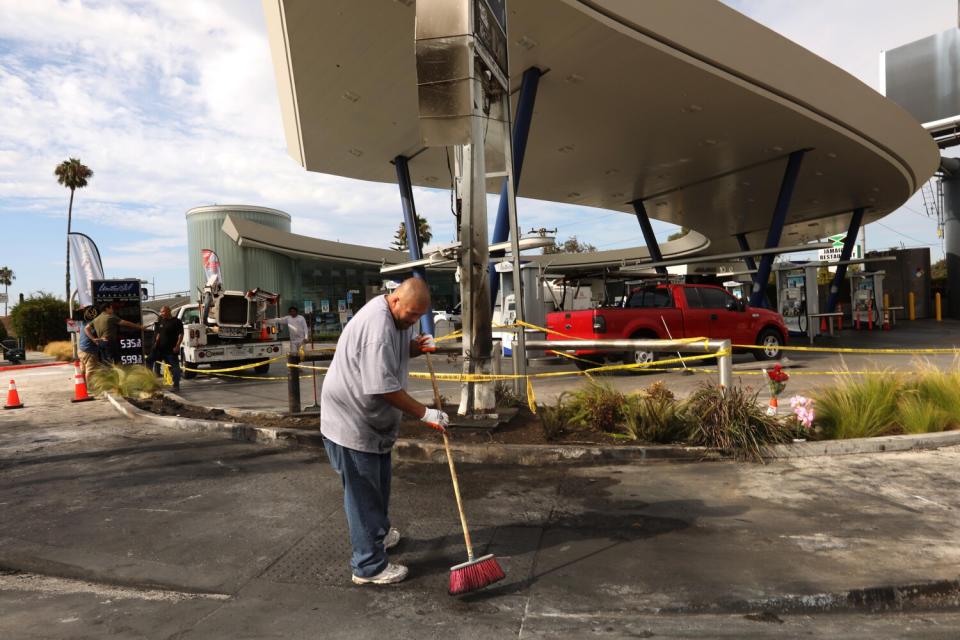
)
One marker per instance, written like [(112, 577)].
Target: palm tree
[(6, 279), (72, 174), (400, 236)]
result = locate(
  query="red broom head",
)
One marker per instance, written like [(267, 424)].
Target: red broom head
[(475, 574)]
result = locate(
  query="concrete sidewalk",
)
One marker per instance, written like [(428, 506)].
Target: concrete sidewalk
[(125, 530)]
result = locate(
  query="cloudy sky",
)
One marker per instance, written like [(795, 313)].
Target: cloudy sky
[(173, 105)]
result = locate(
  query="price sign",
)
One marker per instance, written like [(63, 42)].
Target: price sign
[(127, 347)]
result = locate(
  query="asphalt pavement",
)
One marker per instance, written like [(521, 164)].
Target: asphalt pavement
[(114, 528)]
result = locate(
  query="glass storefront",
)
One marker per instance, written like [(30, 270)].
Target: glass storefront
[(333, 291)]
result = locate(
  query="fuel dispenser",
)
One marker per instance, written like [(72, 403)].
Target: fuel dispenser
[(797, 297), (739, 290), (866, 298)]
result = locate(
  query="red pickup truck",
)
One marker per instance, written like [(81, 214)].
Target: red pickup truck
[(689, 310)]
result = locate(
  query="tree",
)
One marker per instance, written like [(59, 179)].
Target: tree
[(679, 234), (72, 174), (6, 279), (400, 237), (937, 272), (40, 319), (570, 245)]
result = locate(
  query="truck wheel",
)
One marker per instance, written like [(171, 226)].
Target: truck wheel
[(588, 363), (772, 341), (640, 356), (184, 365), (262, 368)]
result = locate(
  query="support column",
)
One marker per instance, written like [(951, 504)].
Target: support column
[(745, 246), (848, 243), (951, 236), (413, 231), (758, 297), (521, 131), (652, 247)]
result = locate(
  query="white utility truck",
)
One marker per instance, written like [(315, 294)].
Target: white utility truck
[(228, 329)]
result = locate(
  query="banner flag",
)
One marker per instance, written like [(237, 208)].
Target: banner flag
[(211, 266), (85, 258)]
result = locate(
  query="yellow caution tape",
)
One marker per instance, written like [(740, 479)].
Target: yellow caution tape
[(167, 374), (950, 350), (531, 399), (240, 368), (492, 377)]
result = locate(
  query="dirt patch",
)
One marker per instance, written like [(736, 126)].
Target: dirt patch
[(523, 428)]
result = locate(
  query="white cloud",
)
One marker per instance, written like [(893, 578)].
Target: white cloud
[(174, 105)]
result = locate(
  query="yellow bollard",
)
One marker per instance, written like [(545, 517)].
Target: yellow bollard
[(937, 302), (912, 308)]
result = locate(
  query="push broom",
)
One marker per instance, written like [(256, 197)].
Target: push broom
[(475, 573)]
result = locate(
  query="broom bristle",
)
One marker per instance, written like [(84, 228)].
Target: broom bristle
[(474, 575)]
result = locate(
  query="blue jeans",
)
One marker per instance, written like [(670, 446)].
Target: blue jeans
[(172, 359), (366, 497)]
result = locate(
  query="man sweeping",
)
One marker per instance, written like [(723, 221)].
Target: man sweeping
[(361, 404)]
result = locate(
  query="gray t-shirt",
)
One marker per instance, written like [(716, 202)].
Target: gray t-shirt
[(372, 358)]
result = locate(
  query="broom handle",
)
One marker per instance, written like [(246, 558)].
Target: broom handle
[(453, 470)]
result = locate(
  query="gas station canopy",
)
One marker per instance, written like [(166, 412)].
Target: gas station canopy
[(690, 107)]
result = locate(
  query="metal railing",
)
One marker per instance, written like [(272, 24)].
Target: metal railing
[(721, 347)]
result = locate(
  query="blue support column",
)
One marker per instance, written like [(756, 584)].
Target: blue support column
[(652, 247), (848, 243), (745, 246), (413, 230), (521, 131), (758, 297)]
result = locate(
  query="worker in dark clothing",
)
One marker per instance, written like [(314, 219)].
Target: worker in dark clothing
[(166, 345)]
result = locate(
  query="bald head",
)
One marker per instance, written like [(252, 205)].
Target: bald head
[(409, 301)]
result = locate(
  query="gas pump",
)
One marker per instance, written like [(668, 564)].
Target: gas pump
[(866, 298), (739, 290), (794, 303)]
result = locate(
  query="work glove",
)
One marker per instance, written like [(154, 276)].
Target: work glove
[(436, 419), (426, 343)]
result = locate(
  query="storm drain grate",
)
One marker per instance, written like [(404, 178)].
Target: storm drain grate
[(428, 547)]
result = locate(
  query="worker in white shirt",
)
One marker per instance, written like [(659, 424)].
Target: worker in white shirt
[(296, 327)]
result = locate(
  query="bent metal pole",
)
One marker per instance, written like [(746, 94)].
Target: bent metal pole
[(724, 362)]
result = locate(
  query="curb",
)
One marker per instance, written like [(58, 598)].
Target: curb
[(880, 444), (539, 454), (419, 451), (17, 367)]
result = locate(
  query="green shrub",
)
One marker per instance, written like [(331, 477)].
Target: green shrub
[(130, 381), (859, 408), (931, 388), (731, 420), (554, 419), (505, 397), (40, 319), (655, 415), (917, 415), (598, 406), (61, 350)]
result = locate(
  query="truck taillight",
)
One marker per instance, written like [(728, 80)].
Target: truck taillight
[(599, 324)]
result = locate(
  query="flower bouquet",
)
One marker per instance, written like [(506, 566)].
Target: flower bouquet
[(777, 382), (804, 414)]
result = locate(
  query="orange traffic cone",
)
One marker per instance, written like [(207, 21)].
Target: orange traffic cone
[(79, 384), (823, 325), (870, 315), (263, 331), (773, 406), (13, 398)]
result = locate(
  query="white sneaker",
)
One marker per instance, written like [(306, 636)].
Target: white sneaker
[(392, 539), (393, 573)]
